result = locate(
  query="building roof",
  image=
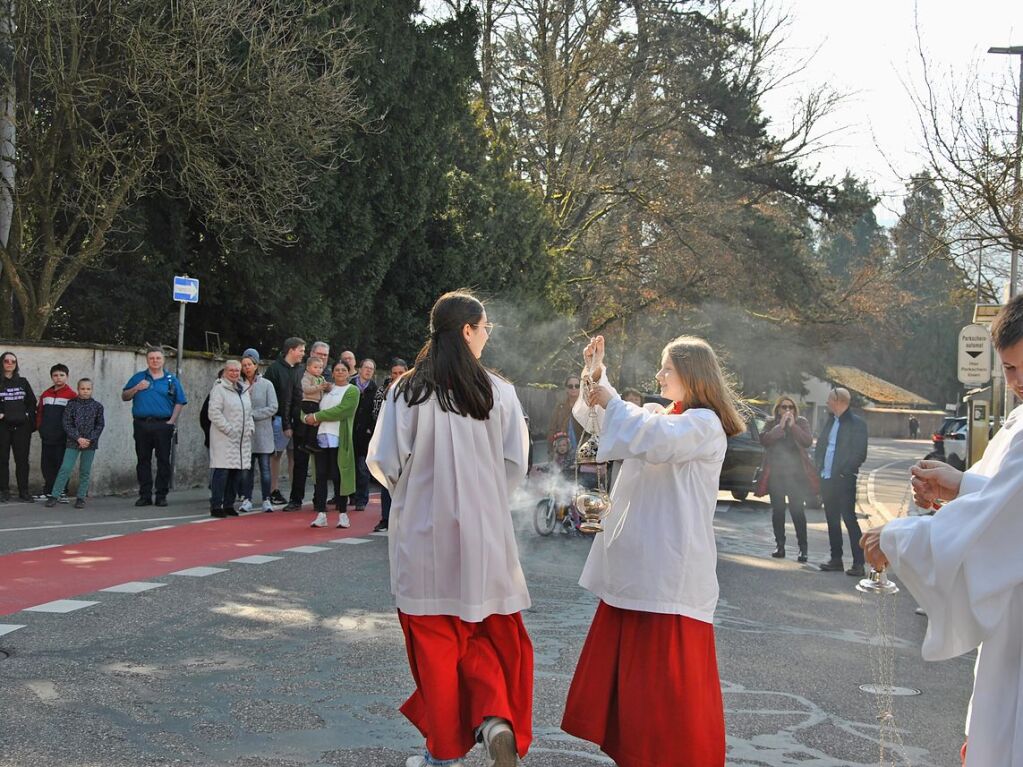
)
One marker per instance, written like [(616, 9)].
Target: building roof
[(875, 389)]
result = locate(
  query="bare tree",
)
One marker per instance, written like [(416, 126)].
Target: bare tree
[(233, 104)]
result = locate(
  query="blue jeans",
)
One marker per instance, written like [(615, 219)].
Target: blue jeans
[(223, 487), (248, 476), (361, 497)]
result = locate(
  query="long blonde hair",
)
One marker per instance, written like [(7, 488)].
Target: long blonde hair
[(704, 382)]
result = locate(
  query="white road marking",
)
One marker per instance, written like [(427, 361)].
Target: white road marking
[(200, 572), (256, 559), (351, 540), (106, 537), (133, 587), (308, 549), (44, 689), (60, 606), (158, 527), (59, 526), (382, 533), (47, 546), (208, 519), (7, 628)]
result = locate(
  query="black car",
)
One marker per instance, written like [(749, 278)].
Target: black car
[(745, 454)]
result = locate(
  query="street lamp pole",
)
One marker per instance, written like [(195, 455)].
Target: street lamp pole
[(1017, 191)]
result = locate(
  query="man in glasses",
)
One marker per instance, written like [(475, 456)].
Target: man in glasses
[(562, 420)]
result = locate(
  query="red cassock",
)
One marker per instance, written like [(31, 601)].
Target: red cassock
[(646, 690), (465, 672)]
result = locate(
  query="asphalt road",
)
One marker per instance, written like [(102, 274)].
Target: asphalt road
[(299, 660)]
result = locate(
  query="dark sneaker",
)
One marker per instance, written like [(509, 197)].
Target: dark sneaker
[(381, 527), (50, 502), (79, 503), (277, 499), (144, 502), (219, 513), (5, 496), (832, 566), (856, 571), (230, 511), (293, 506), (26, 498), (161, 500)]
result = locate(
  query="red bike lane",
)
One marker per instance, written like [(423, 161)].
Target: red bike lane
[(30, 578)]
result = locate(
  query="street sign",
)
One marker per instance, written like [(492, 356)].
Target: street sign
[(186, 290), (974, 355), (985, 313)]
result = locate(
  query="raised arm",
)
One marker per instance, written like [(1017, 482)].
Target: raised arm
[(632, 432)]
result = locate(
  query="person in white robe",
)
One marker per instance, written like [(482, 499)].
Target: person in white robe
[(450, 463), (963, 565)]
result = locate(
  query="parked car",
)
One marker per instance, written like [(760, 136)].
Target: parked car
[(953, 432), (745, 454)]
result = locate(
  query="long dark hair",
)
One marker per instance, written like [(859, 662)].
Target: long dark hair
[(445, 366), (17, 368)]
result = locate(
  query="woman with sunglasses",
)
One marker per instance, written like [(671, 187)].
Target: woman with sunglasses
[(788, 476), (17, 422), (562, 419), (450, 445)]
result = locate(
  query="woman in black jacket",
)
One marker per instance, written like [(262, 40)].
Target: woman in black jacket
[(789, 473), (17, 421)]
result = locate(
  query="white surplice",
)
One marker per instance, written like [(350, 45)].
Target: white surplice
[(450, 537), (964, 566), (657, 552)]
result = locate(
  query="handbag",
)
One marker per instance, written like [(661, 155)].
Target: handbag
[(763, 476), (813, 479)]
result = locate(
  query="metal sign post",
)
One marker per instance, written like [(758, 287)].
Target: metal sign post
[(185, 291)]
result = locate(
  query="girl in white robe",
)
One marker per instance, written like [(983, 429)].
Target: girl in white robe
[(450, 445), (646, 688)]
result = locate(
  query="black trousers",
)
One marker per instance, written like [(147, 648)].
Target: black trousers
[(50, 458), (791, 486), (298, 478), (16, 439), (327, 471), (839, 498), (150, 437)]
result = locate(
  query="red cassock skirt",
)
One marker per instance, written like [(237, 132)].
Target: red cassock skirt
[(465, 672), (646, 690)]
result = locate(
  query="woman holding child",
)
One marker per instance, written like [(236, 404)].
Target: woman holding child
[(335, 454)]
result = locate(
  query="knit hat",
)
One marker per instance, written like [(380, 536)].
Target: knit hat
[(252, 354)]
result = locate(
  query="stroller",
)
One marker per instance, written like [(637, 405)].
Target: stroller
[(556, 508)]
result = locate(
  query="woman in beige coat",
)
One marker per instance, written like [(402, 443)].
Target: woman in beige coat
[(231, 428)]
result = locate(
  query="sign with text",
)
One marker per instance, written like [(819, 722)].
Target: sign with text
[(186, 290), (974, 355), (986, 313)]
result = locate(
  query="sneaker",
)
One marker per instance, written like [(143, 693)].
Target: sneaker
[(832, 566), (277, 499), (63, 498), (218, 513), (5, 496), (246, 506), (26, 498), (380, 528), (498, 742), (144, 502), (50, 502), (79, 503), (321, 520), (420, 761), (40, 497), (360, 507), (343, 521), (268, 506), (161, 500), (293, 506), (856, 571)]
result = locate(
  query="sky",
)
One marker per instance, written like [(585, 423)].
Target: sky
[(868, 50)]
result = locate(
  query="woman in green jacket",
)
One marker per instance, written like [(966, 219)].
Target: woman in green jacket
[(336, 460)]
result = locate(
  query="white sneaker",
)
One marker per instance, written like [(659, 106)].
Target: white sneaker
[(63, 498), (320, 521), (498, 742), (267, 505), (246, 506), (343, 521), (420, 761)]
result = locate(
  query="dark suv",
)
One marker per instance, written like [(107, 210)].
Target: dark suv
[(741, 469)]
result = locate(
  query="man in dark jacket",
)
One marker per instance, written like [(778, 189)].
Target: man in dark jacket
[(841, 449), (50, 425), (362, 430), (282, 374)]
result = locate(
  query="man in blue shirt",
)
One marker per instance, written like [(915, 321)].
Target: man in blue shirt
[(841, 449), (156, 398)]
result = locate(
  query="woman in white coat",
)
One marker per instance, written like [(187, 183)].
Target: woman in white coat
[(231, 428), (646, 688), (450, 445)]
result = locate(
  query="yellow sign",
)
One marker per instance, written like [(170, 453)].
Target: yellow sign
[(985, 314)]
